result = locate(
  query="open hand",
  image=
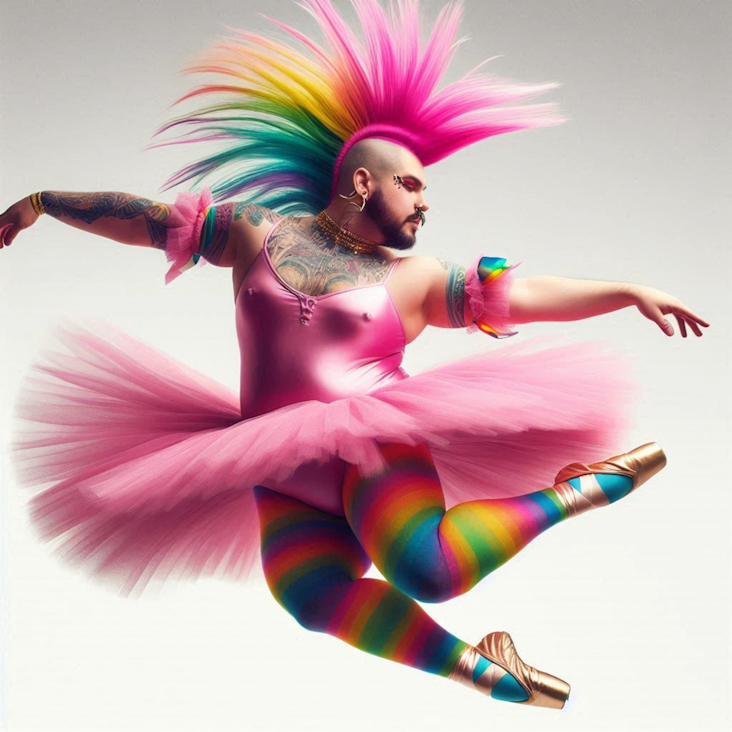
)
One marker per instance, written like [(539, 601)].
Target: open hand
[(18, 217), (654, 304)]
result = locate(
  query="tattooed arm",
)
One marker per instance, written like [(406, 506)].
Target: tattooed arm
[(139, 221), (120, 216), (123, 217)]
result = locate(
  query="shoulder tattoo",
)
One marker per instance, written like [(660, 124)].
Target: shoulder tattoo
[(255, 214)]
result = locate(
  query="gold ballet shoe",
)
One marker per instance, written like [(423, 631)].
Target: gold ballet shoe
[(542, 689), (639, 465)]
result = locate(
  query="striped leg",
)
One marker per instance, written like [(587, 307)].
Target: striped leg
[(431, 554), (314, 566)]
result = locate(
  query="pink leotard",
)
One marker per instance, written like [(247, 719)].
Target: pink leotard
[(296, 347)]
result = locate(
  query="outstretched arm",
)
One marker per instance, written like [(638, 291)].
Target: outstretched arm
[(499, 299), (125, 218), (549, 298)]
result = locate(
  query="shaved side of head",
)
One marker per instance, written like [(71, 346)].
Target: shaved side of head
[(379, 157)]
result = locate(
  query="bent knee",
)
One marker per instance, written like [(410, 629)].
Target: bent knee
[(425, 583), (422, 571), (312, 617), (313, 613)]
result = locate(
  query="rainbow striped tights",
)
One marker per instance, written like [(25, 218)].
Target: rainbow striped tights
[(314, 562)]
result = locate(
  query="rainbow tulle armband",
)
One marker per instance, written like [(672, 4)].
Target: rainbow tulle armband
[(184, 234), (487, 283)]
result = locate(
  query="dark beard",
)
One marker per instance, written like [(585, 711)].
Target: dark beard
[(395, 237)]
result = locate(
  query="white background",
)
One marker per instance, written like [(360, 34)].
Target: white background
[(629, 604)]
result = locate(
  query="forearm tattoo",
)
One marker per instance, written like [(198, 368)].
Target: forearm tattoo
[(455, 293), (255, 214), (215, 232), (88, 207)]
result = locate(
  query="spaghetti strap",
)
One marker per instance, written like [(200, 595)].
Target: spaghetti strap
[(269, 233), (261, 253), (392, 267)]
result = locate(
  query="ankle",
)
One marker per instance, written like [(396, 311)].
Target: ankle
[(592, 490), (478, 672)]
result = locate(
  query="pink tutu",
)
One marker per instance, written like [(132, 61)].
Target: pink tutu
[(152, 467)]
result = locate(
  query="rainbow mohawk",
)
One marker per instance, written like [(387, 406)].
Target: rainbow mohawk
[(291, 115)]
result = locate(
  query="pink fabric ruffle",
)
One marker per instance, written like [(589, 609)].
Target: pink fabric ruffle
[(184, 237), (488, 301), (143, 466)]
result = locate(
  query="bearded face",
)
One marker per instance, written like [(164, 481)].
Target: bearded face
[(398, 232)]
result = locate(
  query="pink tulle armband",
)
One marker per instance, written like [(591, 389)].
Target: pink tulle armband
[(487, 283), (184, 234)]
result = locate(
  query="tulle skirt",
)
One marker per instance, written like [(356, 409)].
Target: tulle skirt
[(143, 468)]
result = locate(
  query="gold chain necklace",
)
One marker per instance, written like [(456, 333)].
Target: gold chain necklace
[(343, 237)]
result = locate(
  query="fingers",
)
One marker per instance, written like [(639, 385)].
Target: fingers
[(665, 326), (695, 328), (685, 317), (4, 239), (682, 325), (7, 234), (691, 316), (683, 321)]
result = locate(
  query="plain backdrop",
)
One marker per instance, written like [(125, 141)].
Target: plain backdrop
[(630, 604)]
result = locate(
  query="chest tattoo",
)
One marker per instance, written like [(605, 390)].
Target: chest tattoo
[(312, 264)]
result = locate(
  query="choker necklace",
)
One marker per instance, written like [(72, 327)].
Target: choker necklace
[(343, 237)]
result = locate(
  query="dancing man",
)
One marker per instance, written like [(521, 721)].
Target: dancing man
[(340, 457)]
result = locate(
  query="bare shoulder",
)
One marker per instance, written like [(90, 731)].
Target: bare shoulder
[(413, 280), (422, 273), (426, 264), (435, 288), (417, 281), (417, 263)]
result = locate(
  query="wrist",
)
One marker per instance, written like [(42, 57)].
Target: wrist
[(35, 201), (630, 293)]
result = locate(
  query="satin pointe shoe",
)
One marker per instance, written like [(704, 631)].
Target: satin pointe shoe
[(489, 666), (639, 465)]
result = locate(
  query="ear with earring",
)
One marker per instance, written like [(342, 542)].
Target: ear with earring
[(352, 203)]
